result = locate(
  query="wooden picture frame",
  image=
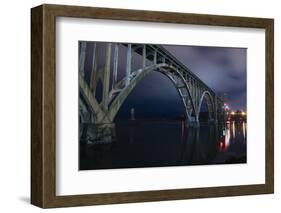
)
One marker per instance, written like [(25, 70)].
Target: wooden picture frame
[(43, 105)]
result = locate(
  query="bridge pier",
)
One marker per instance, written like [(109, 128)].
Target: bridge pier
[(213, 121), (193, 123), (102, 133)]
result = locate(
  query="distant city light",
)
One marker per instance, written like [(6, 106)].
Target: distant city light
[(243, 113), (225, 106), (232, 113)]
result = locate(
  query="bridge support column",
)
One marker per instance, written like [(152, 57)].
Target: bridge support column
[(144, 56), (128, 64), (115, 65), (94, 75), (155, 57), (82, 57), (106, 76)]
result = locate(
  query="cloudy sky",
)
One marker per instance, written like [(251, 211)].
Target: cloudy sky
[(222, 69)]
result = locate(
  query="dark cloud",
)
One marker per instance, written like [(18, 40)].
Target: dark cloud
[(222, 69)]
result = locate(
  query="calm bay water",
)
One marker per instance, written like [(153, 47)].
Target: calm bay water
[(167, 143)]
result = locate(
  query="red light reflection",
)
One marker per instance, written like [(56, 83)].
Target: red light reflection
[(225, 139)]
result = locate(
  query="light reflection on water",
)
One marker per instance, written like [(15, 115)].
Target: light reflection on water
[(244, 131), (167, 143), (234, 133), (233, 128)]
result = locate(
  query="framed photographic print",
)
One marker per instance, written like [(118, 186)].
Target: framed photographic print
[(135, 106)]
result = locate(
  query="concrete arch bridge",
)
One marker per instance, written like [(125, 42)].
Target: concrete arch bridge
[(97, 116)]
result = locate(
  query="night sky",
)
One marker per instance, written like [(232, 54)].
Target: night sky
[(222, 69)]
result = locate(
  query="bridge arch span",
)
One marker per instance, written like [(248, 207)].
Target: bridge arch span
[(169, 71), (210, 105)]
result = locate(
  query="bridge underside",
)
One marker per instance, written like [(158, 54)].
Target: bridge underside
[(98, 116)]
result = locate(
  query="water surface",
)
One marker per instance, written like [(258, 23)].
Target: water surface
[(167, 143)]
